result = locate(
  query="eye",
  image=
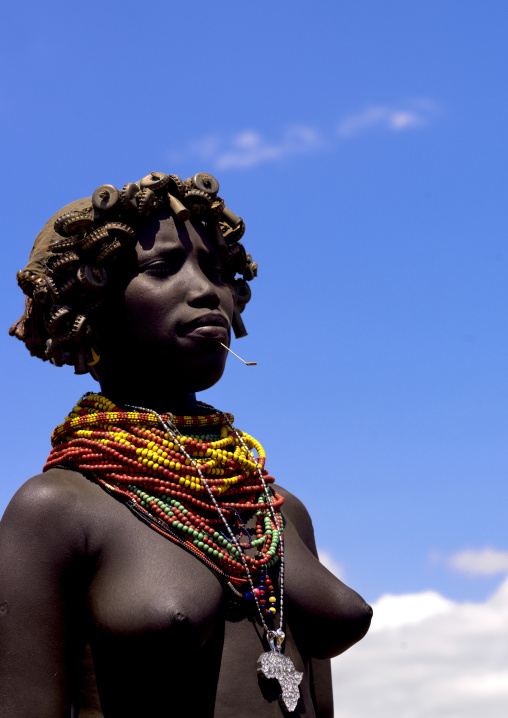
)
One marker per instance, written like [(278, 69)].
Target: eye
[(212, 267), (159, 269), (214, 273)]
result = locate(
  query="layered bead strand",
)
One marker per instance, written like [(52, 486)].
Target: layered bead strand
[(130, 455)]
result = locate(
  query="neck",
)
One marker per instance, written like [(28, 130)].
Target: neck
[(155, 398)]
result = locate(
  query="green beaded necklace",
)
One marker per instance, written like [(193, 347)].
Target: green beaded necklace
[(198, 490)]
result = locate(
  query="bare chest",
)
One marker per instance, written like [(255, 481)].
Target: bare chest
[(144, 585)]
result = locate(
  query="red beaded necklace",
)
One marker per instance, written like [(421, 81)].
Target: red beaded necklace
[(189, 488), (161, 477)]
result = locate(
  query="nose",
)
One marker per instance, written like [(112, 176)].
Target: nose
[(202, 292)]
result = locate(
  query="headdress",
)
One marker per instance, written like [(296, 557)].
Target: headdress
[(74, 256)]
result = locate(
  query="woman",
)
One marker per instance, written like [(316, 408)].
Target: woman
[(153, 568)]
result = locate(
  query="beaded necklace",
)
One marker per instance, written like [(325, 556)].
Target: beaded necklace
[(197, 490)]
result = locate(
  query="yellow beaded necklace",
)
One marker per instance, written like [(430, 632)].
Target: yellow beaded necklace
[(163, 476), (189, 488)]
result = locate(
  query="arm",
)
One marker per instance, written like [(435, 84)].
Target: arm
[(321, 687), (42, 550)]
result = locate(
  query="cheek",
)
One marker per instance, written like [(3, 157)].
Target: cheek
[(227, 301), (148, 309)]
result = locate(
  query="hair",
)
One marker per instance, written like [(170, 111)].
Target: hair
[(77, 253)]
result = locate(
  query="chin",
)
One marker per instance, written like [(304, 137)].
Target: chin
[(203, 380), (192, 371)]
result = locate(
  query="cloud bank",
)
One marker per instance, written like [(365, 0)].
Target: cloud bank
[(428, 657), (397, 120), (249, 148), (485, 562), (418, 112)]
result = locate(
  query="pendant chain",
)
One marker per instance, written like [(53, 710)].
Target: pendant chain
[(176, 434)]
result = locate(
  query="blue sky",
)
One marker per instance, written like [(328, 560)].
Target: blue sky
[(364, 145)]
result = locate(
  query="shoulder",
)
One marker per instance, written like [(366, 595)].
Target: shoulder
[(55, 490), (297, 514), (49, 507), (294, 509)]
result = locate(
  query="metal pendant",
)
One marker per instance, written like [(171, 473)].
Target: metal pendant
[(274, 664)]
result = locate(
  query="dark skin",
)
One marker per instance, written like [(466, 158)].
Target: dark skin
[(77, 568)]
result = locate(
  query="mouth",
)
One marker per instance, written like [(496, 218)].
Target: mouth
[(211, 325)]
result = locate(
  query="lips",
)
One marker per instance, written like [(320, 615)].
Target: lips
[(207, 324)]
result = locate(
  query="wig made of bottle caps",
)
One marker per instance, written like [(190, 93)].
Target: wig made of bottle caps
[(77, 252)]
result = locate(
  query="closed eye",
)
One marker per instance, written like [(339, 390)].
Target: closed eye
[(162, 267), (157, 269), (215, 274)]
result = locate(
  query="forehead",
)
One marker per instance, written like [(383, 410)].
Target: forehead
[(163, 235)]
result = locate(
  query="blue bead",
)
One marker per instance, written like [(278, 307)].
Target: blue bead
[(249, 596)]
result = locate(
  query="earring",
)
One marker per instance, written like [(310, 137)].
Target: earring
[(95, 357)]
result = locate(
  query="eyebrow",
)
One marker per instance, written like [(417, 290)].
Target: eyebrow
[(178, 250)]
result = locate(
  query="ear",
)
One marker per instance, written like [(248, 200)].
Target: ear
[(88, 354)]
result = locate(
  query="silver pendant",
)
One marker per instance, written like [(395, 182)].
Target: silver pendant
[(274, 664)]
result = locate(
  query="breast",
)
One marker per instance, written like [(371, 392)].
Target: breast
[(144, 585)]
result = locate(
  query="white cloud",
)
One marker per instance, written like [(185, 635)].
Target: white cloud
[(428, 657), (205, 147), (416, 113), (475, 562), (425, 103), (485, 562), (249, 148), (408, 609)]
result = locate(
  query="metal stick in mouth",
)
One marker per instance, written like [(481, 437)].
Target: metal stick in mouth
[(247, 363)]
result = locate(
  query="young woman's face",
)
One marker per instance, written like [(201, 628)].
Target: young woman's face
[(176, 308)]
